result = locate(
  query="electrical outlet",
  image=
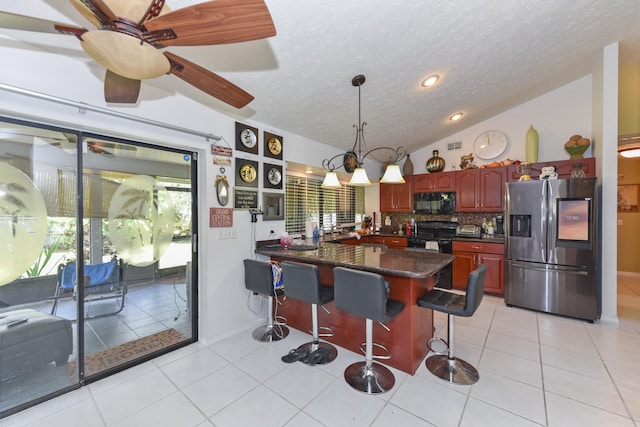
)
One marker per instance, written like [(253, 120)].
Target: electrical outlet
[(227, 233)]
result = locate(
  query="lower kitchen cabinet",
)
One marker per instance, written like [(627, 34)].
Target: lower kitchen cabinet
[(469, 255), (391, 241)]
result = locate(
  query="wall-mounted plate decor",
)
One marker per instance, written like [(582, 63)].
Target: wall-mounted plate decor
[(273, 176), (272, 145), (247, 173), (246, 138)]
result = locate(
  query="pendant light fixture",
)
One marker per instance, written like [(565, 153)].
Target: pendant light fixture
[(353, 161)]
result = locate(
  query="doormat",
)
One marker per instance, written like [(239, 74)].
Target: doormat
[(114, 356)]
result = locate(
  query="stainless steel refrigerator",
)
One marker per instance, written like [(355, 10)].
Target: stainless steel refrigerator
[(551, 247)]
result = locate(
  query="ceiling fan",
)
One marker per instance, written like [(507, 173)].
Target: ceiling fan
[(131, 34)]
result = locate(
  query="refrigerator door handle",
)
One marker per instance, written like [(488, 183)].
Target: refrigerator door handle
[(576, 272)]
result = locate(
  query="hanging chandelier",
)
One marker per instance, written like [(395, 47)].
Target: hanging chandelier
[(353, 161)]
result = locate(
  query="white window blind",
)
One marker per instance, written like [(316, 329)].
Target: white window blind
[(306, 200)]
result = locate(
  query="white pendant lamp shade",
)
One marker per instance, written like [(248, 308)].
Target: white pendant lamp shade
[(359, 178), (331, 180), (635, 152), (392, 175)]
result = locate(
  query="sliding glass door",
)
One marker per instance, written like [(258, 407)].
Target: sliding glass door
[(96, 254)]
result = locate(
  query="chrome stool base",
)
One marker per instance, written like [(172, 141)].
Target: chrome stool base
[(454, 370), (270, 333), (332, 352), (374, 379)]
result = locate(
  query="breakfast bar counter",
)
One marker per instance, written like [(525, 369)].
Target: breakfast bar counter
[(410, 274)]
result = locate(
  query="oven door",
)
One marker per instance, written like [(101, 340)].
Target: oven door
[(444, 276)]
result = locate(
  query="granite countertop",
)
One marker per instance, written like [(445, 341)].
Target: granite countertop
[(389, 261)]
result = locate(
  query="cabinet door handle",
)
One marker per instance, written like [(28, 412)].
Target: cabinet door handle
[(476, 247)]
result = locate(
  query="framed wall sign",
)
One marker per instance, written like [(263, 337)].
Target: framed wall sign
[(244, 198), (273, 206), (273, 176), (246, 138), (272, 145), (247, 173)]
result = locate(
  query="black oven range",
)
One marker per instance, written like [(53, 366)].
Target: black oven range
[(435, 235)]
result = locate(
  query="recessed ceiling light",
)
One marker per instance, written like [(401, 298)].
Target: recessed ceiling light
[(309, 170), (456, 117), (430, 81)]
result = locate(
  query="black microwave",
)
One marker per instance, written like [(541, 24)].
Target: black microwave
[(434, 203)]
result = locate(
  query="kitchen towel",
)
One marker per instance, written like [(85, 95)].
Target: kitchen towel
[(433, 246)]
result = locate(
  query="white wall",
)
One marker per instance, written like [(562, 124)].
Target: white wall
[(605, 117), (223, 298), (556, 116)]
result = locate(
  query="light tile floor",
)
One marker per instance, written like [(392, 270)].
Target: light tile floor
[(535, 369)]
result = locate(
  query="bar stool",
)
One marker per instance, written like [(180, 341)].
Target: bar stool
[(258, 278), (302, 282), (447, 366), (365, 294)]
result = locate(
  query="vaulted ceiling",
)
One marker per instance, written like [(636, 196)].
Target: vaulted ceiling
[(490, 55)]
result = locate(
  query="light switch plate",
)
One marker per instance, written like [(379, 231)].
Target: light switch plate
[(227, 233)]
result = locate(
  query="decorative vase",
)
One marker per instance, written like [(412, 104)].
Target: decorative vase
[(577, 171), (407, 168), (436, 163), (532, 145)]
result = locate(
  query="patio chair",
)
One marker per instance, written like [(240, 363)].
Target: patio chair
[(103, 281)]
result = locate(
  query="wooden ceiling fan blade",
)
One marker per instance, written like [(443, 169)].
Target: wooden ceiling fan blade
[(99, 10), (28, 23), (120, 89), (208, 82), (213, 22)]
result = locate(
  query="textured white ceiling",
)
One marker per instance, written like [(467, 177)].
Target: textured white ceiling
[(491, 55)]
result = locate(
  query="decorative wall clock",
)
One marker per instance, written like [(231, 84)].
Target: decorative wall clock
[(246, 138), (272, 145), (273, 176), (490, 144), (246, 173)]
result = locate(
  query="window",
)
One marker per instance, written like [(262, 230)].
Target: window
[(306, 200)]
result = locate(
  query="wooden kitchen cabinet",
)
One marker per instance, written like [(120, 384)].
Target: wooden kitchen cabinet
[(492, 182), (397, 197), (395, 242), (563, 168), (480, 189), (469, 255), (467, 190), (433, 182), (391, 241)]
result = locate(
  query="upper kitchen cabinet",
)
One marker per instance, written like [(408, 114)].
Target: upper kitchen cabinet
[(397, 197), (432, 182), (563, 168), (480, 189)]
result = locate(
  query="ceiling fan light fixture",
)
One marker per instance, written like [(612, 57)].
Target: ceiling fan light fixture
[(455, 117), (392, 175), (331, 180), (125, 55), (430, 81), (359, 178)]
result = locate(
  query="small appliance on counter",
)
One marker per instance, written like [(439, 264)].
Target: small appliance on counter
[(468, 230), (499, 224)]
